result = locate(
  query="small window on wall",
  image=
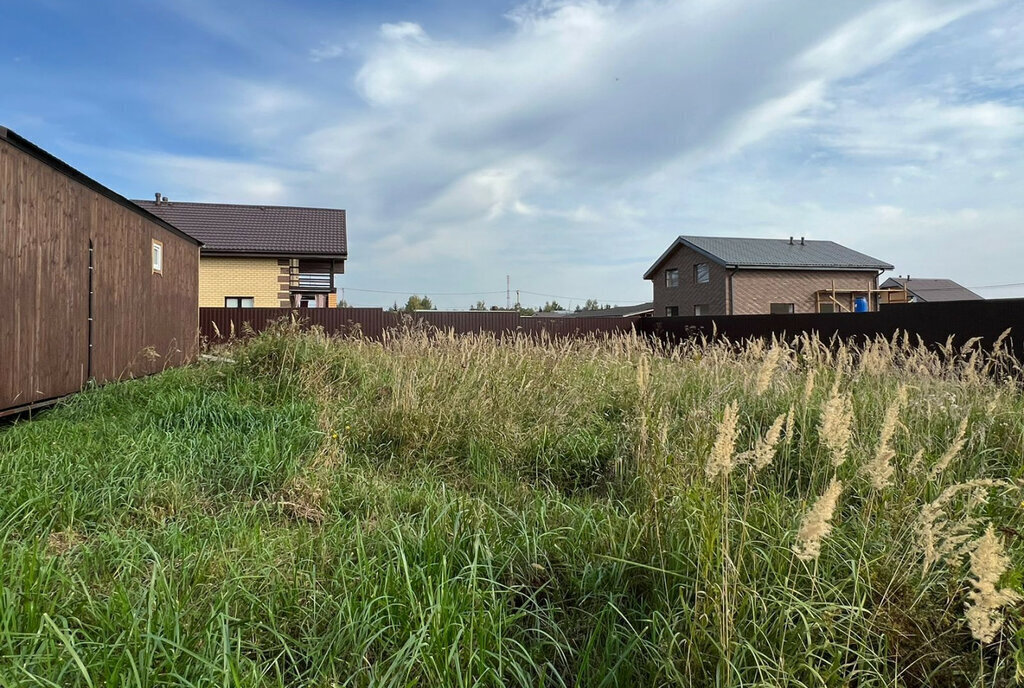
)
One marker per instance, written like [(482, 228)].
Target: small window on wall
[(782, 309), (672, 278), (238, 302), (826, 308), (702, 309), (701, 273), (671, 311), (158, 257)]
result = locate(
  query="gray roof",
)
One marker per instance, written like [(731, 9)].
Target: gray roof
[(932, 289), (774, 254), (227, 229), (616, 311)]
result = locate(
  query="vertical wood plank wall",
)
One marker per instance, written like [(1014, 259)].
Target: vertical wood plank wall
[(143, 322)]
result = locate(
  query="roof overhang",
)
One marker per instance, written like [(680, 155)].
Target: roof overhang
[(31, 149), (273, 254)]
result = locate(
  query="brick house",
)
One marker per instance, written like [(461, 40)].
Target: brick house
[(729, 276), (259, 255)]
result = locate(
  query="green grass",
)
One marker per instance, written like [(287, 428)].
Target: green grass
[(458, 512)]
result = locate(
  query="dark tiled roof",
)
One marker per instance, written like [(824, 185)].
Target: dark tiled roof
[(243, 229), (932, 289), (775, 254)]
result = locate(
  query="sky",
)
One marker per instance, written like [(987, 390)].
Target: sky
[(558, 144)]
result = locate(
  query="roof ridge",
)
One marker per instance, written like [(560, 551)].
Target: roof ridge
[(236, 205)]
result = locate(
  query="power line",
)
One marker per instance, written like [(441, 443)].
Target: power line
[(996, 286), (428, 292), (575, 298)]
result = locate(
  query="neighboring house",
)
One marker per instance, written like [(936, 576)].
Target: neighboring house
[(640, 310), (921, 290), (262, 256), (728, 276), (92, 287)]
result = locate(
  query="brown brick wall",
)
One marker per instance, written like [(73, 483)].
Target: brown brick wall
[(756, 290), (689, 293)]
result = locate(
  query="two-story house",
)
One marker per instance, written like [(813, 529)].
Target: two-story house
[(731, 276), (262, 256)]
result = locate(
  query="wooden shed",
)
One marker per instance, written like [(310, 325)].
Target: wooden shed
[(92, 287)]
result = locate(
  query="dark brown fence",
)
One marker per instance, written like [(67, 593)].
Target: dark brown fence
[(218, 324), (934, 323)]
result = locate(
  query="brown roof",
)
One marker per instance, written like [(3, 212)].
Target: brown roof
[(227, 228), (927, 289)]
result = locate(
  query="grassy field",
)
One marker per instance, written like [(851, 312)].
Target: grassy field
[(460, 512)]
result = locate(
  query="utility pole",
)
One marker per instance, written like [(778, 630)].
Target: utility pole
[(518, 302), (508, 292)]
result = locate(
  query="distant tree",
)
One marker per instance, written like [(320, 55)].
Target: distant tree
[(342, 303), (593, 305), (480, 306), (415, 303), (552, 306), (523, 310)]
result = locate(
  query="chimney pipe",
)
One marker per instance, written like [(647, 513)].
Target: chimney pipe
[(158, 198), (790, 241), (801, 238), (163, 200)]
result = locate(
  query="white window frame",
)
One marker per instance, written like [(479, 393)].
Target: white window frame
[(157, 257), (239, 301)]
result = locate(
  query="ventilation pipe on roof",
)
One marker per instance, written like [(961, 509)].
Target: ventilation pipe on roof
[(790, 241), (801, 238), (158, 198)]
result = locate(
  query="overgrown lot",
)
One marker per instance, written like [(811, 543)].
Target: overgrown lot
[(456, 512)]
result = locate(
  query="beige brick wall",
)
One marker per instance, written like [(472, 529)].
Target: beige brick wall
[(756, 290), (255, 277), (689, 293)]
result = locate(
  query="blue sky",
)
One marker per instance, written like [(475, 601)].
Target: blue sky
[(561, 142)]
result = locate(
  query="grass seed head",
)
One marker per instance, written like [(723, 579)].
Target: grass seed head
[(817, 523), (723, 452), (985, 609), (836, 427)]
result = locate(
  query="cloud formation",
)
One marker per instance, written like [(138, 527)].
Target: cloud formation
[(568, 149)]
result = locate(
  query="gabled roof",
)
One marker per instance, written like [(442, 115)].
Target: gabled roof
[(925, 289), (774, 254), (231, 229), (29, 148)]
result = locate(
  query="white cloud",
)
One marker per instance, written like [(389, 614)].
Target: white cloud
[(568, 149)]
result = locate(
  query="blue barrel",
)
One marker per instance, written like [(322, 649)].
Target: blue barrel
[(860, 304)]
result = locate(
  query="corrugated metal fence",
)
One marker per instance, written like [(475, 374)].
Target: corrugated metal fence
[(218, 324)]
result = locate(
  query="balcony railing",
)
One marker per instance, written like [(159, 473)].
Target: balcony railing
[(311, 276)]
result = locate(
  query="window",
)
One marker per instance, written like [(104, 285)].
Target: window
[(702, 309), (826, 308), (238, 302), (781, 309), (672, 278), (671, 311), (701, 273), (158, 257)]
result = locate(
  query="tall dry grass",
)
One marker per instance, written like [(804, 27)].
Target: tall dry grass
[(441, 510)]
